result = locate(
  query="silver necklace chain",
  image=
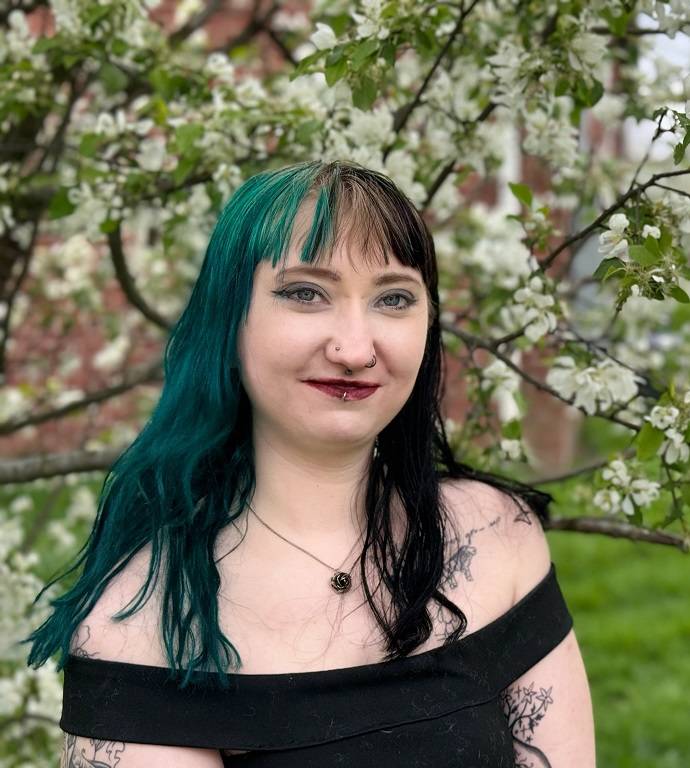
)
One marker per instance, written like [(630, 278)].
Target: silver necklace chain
[(336, 571)]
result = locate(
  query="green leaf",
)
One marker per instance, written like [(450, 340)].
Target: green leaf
[(184, 167), (306, 130), (388, 52), (641, 255), (588, 95), (617, 24), (335, 71), (562, 86), (665, 240), (95, 12), (522, 192), (119, 47), (45, 44), (649, 440), (60, 205), (364, 93), (114, 79), (89, 144), (338, 22), (676, 292), (362, 53), (187, 135), (652, 245), (304, 65), (424, 41), (108, 226), (607, 268), (679, 150), (512, 430)]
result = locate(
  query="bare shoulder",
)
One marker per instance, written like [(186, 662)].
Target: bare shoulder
[(135, 639), (511, 533)]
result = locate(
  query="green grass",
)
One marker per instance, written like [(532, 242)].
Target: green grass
[(631, 608)]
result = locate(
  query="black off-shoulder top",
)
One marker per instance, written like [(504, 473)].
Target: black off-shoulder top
[(436, 709)]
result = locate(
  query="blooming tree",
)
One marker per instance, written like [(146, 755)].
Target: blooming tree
[(122, 133)]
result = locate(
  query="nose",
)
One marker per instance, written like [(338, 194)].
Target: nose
[(351, 344)]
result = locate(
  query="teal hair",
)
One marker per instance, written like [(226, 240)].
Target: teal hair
[(189, 473)]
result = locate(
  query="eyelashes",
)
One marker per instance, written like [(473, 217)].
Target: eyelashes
[(289, 293)]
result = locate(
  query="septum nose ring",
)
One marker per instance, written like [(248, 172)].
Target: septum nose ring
[(348, 371)]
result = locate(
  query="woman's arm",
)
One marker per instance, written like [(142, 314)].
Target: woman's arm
[(82, 752), (549, 708)]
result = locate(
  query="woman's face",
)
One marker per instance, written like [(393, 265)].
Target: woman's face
[(295, 322)]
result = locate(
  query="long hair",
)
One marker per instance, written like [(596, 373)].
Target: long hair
[(190, 471)]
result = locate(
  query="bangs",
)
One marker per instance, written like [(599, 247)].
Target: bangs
[(348, 205)]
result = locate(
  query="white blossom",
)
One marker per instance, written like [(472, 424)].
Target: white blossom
[(594, 388), (651, 231), (512, 449), (607, 499), (531, 308), (662, 416), (674, 448), (112, 355), (152, 153), (324, 37)]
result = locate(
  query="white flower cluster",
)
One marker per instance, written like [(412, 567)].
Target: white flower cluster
[(596, 387), (31, 700), (498, 257), (503, 382), (531, 308), (362, 136), (16, 42), (588, 53), (370, 23), (671, 15), (18, 588), (550, 134), (127, 19), (512, 449), (624, 491), (669, 420)]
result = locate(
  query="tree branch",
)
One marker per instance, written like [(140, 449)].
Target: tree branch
[(618, 530), (128, 285), (403, 114), (31, 468), (490, 346), (132, 378), (632, 192)]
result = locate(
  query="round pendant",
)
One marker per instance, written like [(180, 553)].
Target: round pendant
[(341, 581)]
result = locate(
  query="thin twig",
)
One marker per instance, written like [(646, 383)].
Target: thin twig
[(618, 530)]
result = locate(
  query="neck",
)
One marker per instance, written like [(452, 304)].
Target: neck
[(313, 499)]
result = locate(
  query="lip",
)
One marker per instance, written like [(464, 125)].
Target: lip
[(351, 392), (347, 383)]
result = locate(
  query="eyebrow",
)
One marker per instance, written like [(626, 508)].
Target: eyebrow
[(330, 274)]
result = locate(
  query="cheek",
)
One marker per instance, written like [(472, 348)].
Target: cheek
[(405, 351)]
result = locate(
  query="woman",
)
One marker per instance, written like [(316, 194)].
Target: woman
[(296, 535)]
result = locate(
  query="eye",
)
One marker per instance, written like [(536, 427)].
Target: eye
[(291, 294)]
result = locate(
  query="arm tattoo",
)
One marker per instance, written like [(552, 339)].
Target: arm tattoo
[(90, 753), (524, 709)]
